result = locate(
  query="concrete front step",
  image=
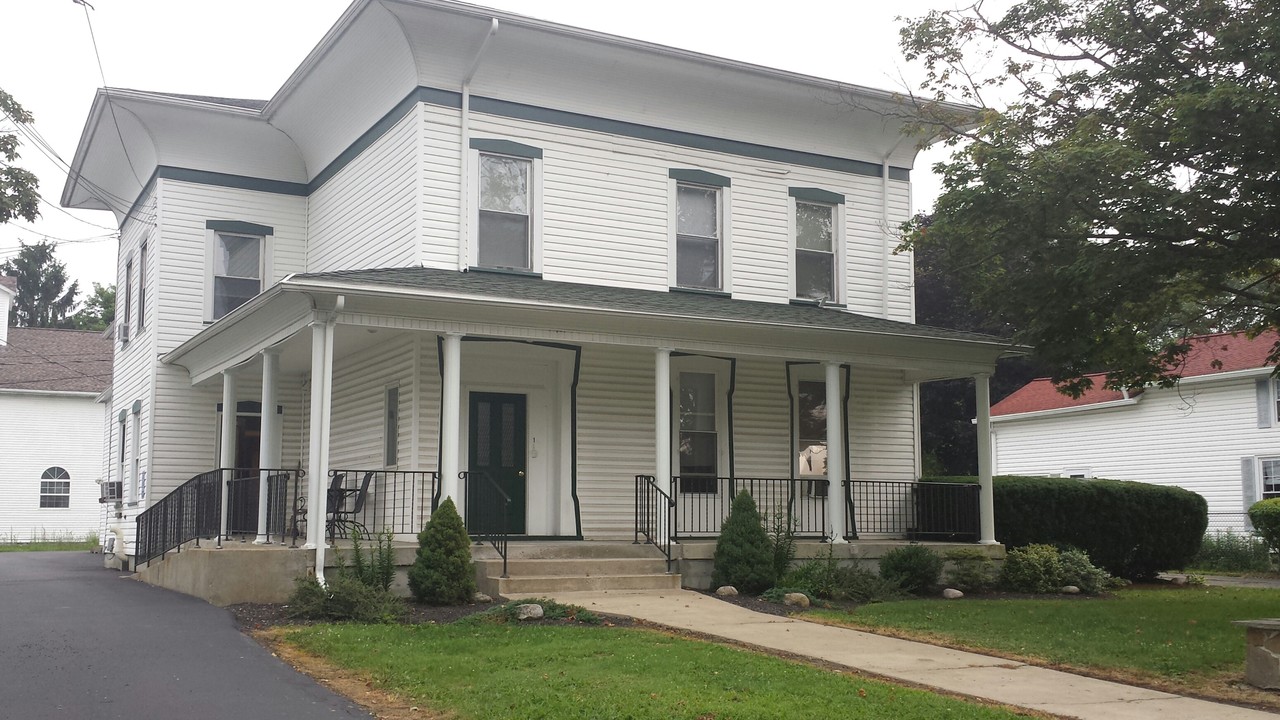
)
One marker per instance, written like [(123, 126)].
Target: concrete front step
[(575, 567), (532, 584)]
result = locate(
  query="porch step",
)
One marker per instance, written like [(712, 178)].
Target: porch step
[(568, 566)]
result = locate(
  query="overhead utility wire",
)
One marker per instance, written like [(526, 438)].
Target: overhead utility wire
[(110, 106)]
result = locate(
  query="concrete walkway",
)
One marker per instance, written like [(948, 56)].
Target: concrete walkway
[(1228, 580), (1003, 681)]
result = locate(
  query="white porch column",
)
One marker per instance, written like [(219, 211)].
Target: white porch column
[(317, 457), (451, 417), (662, 432), (269, 441), (227, 449), (836, 454), (986, 501)]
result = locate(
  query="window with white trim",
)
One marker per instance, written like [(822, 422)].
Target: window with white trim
[(55, 488), (506, 192), (700, 389), (237, 261), (700, 230), (124, 308), (142, 286), (1270, 477), (811, 433), (391, 426), (817, 243)]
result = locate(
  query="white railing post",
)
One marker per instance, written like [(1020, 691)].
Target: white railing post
[(662, 437), (450, 417), (227, 448), (986, 499), (269, 438), (836, 454)]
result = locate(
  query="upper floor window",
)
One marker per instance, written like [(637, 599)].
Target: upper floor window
[(142, 285), (123, 314), (238, 261), (506, 222), (817, 243), (701, 249), (55, 488)]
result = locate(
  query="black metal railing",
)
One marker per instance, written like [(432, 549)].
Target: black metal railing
[(191, 512), (944, 512), (488, 507), (375, 501), (655, 515), (702, 503), (244, 486)]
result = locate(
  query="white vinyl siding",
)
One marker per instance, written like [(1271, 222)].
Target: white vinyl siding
[(366, 216), (1193, 436), (440, 186), (39, 432)]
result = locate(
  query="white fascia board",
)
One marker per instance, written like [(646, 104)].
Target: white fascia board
[(51, 393), (1034, 414)]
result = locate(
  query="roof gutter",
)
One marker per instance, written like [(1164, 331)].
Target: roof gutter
[(1034, 414)]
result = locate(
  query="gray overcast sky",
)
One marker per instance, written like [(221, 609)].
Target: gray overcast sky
[(247, 48)]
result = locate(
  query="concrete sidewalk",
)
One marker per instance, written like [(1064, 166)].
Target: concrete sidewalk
[(1003, 681)]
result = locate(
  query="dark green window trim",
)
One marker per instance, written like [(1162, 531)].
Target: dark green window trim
[(504, 271), (700, 177), (240, 227), (816, 195), (506, 147), (700, 291)]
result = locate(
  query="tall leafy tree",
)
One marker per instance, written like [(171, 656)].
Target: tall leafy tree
[(1128, 194), (99, 309), (44, 298), (18, 196)]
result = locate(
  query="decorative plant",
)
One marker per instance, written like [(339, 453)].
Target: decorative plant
[(744, 555), (442, 573)]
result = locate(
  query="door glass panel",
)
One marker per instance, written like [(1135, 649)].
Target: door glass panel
[(482, 434), (508, 435)]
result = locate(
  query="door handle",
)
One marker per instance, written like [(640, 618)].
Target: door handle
[(520, 474)]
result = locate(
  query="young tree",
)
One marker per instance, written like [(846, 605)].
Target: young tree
[(1128, 194), (99, 309), (44, 299), (18, 196)]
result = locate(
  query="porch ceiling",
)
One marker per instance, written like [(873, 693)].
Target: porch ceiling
[(530, 308)]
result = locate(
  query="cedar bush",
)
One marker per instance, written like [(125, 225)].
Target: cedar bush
[(1265, 516), (744, 554), (1130, 529), (915, 568), (442, 573)]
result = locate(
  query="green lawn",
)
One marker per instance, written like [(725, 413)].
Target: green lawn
[(48, 545), (564, 672), (1181, 634)]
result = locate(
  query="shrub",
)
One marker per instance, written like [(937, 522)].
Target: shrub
[(826, 578), (819, 577), (782, 539), (1232, 551), (378, 567), (1079, 571), (551, 610), (971, 570), (744, 556), (915, 568), (1032, 569), (343, 597), (1133, 530), (442, 573), (1265, 516)]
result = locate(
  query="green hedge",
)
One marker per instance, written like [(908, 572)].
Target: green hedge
[(1132, 530)]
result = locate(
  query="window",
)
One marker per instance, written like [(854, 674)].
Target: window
[(816, 223), (1270, 477), (700, 246), (55, 488), (699, 448), (142, 285), (123, 433), (237, 258), (391, 427), (137, 479), (811, 433), (506, 221), (128, 298)]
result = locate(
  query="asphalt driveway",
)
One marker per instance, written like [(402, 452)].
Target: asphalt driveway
[(78, 642)]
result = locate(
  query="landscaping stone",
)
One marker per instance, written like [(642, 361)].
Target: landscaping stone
[(796, 600), (481, 598), (1262, 653), (1179, 580), (529, 611), (726, 591), (952, 594), (1070, 590)]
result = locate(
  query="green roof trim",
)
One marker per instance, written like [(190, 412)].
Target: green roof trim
[(701, 177), (816, 195), (506, 147), (240, 227)]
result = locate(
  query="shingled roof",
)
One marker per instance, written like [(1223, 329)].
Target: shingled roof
[(1209, 355), (690, 305), (55, 360), (10, 284)]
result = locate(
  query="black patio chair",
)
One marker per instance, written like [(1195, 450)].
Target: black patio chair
[(345, 506)]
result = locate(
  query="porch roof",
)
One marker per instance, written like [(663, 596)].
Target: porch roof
[(690, 305)]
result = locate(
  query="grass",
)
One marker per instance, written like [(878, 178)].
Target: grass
[(1173, 634), (43, 545), (478, 670)]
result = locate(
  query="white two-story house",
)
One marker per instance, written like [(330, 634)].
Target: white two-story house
[(586, 286)]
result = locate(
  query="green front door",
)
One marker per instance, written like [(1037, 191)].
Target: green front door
[(497, 448)]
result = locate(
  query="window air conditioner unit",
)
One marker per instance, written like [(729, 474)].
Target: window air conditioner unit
[(123, 332)]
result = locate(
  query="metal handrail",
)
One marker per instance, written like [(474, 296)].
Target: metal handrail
[(702, 503), (650, 500), (497, 539)]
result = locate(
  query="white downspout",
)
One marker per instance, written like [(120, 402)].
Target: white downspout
[(464, 152)]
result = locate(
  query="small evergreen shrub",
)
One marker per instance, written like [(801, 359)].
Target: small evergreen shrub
[(442, 573), (343, 597), (1032, 569), (828, 579), (782, 538), (1232, 551), (1265, 516), (819, 577), (1079, 571), (1131, 529), (971, 570), (915, 568), (744, 555)]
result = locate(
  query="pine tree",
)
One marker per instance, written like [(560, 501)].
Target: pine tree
[(744, 555), (44, 299), (443, 573)]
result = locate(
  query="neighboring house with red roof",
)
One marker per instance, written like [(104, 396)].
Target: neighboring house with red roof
[(1217, 433), (51, 428)]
